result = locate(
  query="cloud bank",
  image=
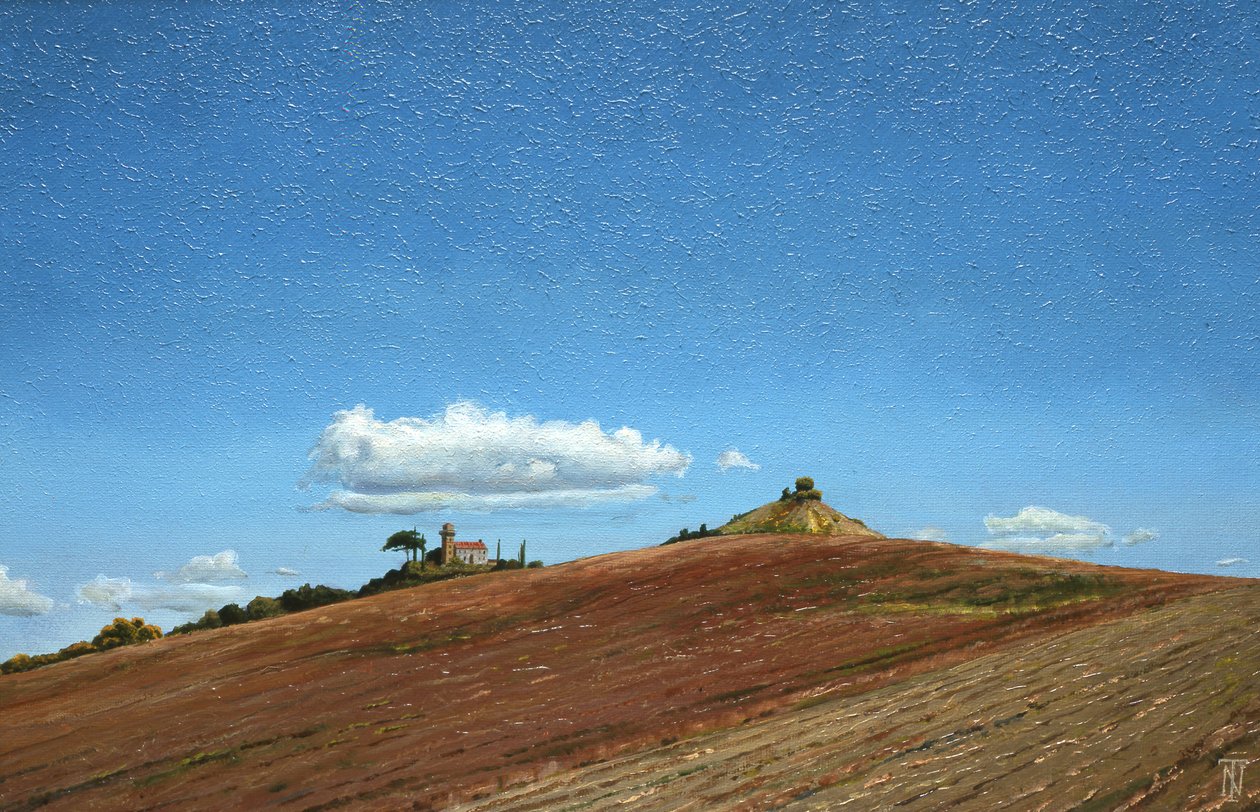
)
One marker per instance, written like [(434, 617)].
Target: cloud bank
[(16, 598), (734, 458), (467, 458), (188, 598), (1041, 527), (205, 582)]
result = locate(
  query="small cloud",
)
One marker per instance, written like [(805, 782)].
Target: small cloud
[(734, 458), (680, 498), (467, 458), (109, 593), (16, 598), (932, 533), (1231, 562), (1140, 535), (286, 572), (206, 569), (1041, 527)]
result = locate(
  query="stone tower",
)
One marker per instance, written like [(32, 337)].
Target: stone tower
[(448, 542)]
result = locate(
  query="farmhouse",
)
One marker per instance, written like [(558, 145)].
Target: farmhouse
[(470, 552)]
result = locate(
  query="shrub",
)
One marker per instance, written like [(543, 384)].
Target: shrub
[(210, 620), (232, 614), (76, 650), (262, 606), (308, 597), (124, 632), (533, 565), (805, 490)]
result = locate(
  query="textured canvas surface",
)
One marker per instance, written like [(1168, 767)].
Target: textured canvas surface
[(280, 280)]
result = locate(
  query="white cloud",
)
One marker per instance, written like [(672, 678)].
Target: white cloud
[(16, 598), (734, 458), (107, 592), (932, 533), (206, 569), (1231, 562), (467, 458), (286, 572), (190, 598), (1042, 527)]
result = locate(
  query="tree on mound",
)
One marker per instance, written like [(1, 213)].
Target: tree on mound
[(805, 491), (799, 511)]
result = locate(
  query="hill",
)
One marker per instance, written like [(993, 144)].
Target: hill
[(647, 672)]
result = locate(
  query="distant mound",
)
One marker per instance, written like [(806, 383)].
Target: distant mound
[(802, 511)]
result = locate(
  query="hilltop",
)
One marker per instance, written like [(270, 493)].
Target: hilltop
[(815, 518), (651, 672), (802, 511)]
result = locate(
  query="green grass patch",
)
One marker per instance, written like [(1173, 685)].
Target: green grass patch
[(880, 656), (740, 693)]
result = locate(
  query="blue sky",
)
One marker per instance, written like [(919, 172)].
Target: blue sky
[(953, 262)]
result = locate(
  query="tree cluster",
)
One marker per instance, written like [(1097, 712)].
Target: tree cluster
[(805, 491), (122, 632), (291, 600), (686, 535)]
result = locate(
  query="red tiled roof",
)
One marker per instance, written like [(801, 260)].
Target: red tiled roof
[(469, 545)]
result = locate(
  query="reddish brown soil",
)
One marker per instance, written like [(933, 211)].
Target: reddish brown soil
[(425, 697)]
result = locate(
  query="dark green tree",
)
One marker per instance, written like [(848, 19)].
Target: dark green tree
[(232, 614), (804, 483), (522, 558), (787, 494), (408, 541)]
